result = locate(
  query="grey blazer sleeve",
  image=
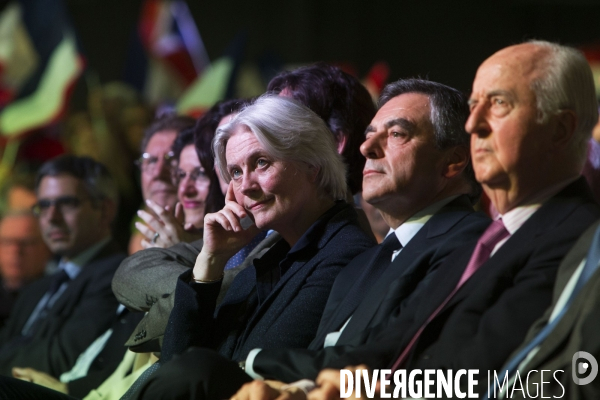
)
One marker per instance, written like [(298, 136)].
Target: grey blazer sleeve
[(148, 275), (146, 281)]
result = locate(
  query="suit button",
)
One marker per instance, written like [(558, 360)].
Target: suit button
[(426, 357)]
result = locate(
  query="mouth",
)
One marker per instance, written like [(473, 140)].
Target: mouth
[(368, 172), (257, 205), (190, 204), (481, 150), (57, 235)]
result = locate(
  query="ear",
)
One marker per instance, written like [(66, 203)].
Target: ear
[(456, 160), (566, 123)]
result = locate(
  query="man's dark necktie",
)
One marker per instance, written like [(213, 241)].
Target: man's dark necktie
[(58, 279), (591, 264)]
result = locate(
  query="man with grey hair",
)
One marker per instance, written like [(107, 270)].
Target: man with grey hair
[(527, 154), (57, 317)]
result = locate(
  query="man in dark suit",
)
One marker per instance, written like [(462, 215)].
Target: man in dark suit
[(417, 174), (576, 330), (531, 115), (57, 317)]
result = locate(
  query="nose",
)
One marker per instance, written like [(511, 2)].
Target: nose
[(477, 123), (249, 184), (13, 246), (187, 187), (54, 213), (163, 168), (373, 146)]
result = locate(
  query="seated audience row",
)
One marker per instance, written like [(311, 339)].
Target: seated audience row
[(285, 279)]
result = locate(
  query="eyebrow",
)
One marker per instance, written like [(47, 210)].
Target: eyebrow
[(254, 154), (493, 93), (402, 122)]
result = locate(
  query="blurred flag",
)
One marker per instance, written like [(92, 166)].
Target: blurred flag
[(218, 82), (172, 47), (40, 64), (377, 78), (18, 58), (592, 53), (208, 89)]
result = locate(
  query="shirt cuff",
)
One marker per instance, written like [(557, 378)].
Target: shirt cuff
[(249, 369)]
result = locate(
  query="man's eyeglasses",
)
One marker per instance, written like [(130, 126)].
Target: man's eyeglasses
[(64, 204), (197, 175), (149, 163)]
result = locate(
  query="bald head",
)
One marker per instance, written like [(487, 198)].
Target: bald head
[(533, 107)]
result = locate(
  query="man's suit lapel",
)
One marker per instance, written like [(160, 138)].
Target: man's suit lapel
[(23, 309), (408, 270), (69, 299), (402, 270), (405, 270), (550, 215)]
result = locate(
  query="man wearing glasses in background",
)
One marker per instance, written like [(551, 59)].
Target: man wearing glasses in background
[(57, 317)]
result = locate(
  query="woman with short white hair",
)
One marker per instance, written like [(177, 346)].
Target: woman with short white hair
[(284, 175)]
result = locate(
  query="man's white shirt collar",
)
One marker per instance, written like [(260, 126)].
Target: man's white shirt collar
[(413, 225)]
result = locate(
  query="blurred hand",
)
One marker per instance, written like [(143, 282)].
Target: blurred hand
[(40, 378), (268, 390), (169, 225)]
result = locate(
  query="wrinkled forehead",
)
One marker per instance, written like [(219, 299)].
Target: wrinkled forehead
[(241, 142), (520, 65), (411, 107), (160, 143)]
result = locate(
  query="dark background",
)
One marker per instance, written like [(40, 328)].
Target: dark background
[(442, 40)]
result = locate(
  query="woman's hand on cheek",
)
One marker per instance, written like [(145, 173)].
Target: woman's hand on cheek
[(223, 237)]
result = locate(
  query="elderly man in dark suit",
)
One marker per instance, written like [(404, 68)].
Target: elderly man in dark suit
[(57, 317), (532, 110)]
